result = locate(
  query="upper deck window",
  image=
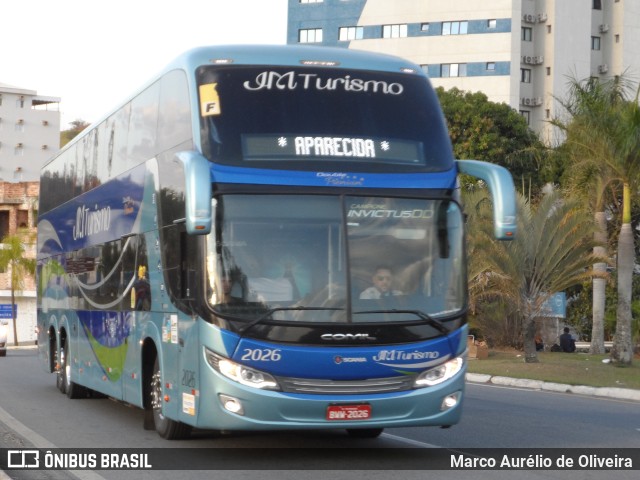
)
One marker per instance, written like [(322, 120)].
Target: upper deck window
[(308, 118)]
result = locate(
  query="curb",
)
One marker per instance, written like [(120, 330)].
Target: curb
[(607, 392)]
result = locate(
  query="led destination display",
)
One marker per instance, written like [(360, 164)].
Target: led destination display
[(314, 147)]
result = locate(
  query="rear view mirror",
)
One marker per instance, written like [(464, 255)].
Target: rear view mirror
[(197, 173), (501, 187)]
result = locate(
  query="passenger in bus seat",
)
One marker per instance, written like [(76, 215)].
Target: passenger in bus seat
[(382, 285), (142, 290)]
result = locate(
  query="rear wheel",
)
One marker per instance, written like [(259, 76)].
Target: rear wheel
[(58, 362), (166, 428), (72, 389), (364, 432)]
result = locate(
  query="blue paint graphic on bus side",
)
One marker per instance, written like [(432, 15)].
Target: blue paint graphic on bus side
[(101, 215), (107, 328)]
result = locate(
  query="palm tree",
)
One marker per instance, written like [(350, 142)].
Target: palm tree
[(12, 260), (625, 167), (552, 252), (592, 106)]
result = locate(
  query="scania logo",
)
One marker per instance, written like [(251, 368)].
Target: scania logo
[(338, 359), (347, 337)]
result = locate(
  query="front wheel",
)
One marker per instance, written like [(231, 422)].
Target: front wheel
[(166, 428)]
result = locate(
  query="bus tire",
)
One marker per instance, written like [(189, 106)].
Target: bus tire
[(57, 365), (166, 428), (364, 432), (72, 389)]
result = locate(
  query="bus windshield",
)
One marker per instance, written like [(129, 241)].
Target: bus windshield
[(315, 258), (304, 118)]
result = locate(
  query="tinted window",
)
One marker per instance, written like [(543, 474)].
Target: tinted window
[(310, 119), (174, 122), (144, 121), (293, 252)]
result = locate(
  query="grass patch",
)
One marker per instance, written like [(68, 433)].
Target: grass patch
[(567, 368)]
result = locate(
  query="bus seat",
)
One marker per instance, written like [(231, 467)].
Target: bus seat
[(271, 289)]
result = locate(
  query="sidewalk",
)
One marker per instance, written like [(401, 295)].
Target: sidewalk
[(608, 392)]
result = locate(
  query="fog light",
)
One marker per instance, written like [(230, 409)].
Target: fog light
[(449, 401), (231, 404)]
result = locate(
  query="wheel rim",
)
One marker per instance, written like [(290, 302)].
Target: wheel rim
[(67, 369), (156, 394), (62, 365)]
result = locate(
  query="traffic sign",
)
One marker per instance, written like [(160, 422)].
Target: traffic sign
[(5, 310)]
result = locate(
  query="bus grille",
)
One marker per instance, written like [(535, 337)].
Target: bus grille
[(346, 387)]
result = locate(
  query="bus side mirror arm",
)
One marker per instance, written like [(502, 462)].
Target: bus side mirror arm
[(503, 193), (197, 192)]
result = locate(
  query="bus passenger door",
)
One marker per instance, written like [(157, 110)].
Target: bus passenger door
[(178, 321)]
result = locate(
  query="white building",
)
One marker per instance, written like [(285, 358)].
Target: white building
[(29, 136), (520, 52), (29, 133)]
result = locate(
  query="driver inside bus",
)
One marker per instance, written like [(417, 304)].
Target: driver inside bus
[(382, 286), (233, 287)]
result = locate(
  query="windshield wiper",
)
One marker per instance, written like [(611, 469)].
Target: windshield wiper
[(271, 311), (437, 324)]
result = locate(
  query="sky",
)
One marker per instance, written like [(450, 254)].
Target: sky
[(94, 53)]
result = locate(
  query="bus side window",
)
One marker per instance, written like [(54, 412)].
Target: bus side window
[(141, 290), (179, 264)]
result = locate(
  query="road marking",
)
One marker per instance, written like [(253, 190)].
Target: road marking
[(40, 442), (415, 443)]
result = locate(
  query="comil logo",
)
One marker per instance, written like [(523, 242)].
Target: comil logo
[(347, 337), (23, 459)]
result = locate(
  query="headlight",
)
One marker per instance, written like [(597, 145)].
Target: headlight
[(440, 373), (240, 373)]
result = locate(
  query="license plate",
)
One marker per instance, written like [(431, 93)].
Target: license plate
[(348, 412)]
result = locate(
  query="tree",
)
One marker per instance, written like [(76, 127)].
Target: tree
[(552, 252), (483, 130), (588, 145), (13, 261), (625, 165), (605, 134), (77, 126)]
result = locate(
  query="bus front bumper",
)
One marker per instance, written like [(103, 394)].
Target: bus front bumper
[(226, 405)]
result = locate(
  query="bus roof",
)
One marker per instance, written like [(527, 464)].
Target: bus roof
[(291, 55), (282, 55)]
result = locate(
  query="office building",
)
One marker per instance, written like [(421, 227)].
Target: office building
[(520, 52), (29, 133), (29, 136)]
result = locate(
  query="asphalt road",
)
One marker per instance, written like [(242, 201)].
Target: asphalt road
[(34, 413)]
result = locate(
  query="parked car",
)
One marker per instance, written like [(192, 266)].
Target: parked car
[(3, 337)]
